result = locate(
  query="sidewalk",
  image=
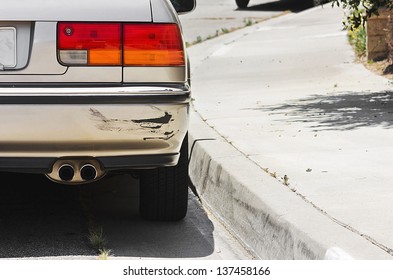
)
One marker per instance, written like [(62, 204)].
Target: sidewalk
[(292, 140)]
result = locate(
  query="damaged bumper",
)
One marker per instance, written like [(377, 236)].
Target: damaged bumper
[(120, 127)]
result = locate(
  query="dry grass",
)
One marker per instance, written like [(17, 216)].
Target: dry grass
[(382, 68)]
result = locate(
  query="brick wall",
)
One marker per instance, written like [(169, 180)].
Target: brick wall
[(377, 48)]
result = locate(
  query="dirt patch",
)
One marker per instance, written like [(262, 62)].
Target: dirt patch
[(382, 68)]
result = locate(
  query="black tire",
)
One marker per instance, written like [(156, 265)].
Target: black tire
[(319, 2), (163, 194), (242, 3)]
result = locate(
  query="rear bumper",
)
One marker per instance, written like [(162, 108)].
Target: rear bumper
[(43, 165), (167, 94), (121, 127)]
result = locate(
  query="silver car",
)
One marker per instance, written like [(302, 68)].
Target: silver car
[(91, 87)]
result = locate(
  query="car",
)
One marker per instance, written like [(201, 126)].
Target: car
[(89, 88), (242, 4)]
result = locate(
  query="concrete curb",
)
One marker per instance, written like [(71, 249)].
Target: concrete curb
[(265, 215)]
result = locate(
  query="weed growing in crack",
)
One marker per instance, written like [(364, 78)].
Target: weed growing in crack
[(96, 236), (273, 174), (104, 254), (225, 30), (248, 22), (286, 180)]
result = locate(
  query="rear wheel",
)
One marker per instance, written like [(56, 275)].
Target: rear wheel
[(164, 191), (318, 2), (242, 3)]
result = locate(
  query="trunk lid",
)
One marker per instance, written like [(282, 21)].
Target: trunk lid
[(76, 10)]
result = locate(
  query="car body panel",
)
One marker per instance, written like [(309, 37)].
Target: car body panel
[(91, 130), (70, 75), (162, 11), (109, 122), (154, 74), (76, 10)]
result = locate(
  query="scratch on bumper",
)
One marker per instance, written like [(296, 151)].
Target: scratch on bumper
[(152, 125), (100, 122)]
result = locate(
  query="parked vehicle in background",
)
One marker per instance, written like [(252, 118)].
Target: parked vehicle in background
[(93, 87), (244, 3)]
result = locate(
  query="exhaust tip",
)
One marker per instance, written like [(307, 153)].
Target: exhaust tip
[(66, 172), (76, 171), (88, 172)]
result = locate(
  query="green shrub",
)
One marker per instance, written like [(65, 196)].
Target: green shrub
[(358, 38), (361, 10)]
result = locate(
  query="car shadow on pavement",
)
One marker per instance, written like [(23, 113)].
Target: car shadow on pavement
[(114, 205), (39, 218), (344, 111), (294, 6)]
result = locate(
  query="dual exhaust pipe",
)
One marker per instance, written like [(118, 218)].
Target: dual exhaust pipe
[(87, 172), (76, 171)]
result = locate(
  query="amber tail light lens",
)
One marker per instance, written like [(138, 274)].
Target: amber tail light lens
[(115, 44), (93, 44)]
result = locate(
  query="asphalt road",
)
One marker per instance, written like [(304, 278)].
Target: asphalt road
[(41, 219)]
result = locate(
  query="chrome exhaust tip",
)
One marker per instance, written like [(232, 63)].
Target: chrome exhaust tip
[(88, 172), (76, 171), (66, 172)]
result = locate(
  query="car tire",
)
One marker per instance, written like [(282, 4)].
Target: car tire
[(319, 2), (242, 3), (163, 194)]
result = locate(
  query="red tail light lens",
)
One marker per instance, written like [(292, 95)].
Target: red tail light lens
[(89, 43), (116, 44), (153, 45)]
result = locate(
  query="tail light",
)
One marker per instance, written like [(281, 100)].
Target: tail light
[(153, 45), (115, 44), (89, 43)]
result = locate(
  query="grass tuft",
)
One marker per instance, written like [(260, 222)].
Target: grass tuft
[(104, 254), (95, 236)]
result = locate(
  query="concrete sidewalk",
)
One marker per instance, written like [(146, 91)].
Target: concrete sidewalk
[(292, 140)]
